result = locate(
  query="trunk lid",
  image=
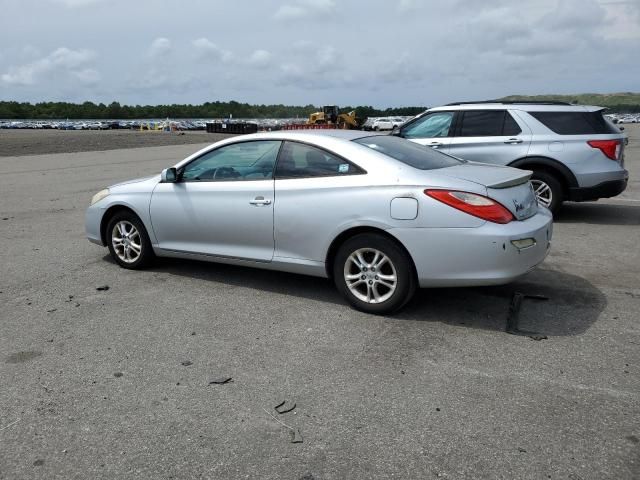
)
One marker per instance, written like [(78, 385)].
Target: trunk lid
[(506, 185)]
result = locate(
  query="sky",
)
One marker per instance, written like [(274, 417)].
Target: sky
[(297, 52)]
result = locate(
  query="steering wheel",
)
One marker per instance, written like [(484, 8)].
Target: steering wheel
[(226, 172)]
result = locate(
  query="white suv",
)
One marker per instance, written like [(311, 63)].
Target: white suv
[(386, 123), (574, 152)]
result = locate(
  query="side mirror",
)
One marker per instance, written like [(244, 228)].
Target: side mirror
[(169, 175), (395, 131)]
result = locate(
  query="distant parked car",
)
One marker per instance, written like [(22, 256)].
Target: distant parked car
[(384, 123), (378, 214), (574, 152), (367, 126)]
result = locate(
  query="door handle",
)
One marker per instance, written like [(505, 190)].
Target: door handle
[(434, 144), (513, 141), (260, 201)]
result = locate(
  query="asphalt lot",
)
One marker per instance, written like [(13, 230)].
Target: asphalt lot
[(97, 384), (15, 142)]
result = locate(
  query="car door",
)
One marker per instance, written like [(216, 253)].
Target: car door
[(310, 198), (221, 205), (490, 136), (432, 129)]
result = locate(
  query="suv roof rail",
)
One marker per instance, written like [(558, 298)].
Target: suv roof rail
[(511, 102)]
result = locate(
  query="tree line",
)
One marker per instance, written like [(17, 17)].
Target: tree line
[(114, 110)]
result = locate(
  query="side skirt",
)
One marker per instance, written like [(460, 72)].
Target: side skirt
[(281, 264)]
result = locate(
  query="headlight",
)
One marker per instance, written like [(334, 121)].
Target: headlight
[(99, 196)]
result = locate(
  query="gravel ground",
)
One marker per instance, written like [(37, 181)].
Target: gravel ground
[(36, 142), (115, 383)]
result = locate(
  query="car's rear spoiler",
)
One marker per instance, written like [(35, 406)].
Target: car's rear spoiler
[(512, 182)]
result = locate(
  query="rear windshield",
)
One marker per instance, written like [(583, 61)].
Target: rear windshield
[(575, 123), (418, 156)]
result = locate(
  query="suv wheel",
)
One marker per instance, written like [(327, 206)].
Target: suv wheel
[(548, 190), (374, 274)]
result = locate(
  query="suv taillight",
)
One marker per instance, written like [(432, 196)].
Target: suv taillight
[(611, 148)]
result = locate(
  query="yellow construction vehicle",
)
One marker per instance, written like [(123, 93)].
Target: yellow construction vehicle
[(330, 115)]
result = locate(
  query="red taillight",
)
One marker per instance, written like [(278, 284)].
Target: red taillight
[(611, 148), (473, 204)]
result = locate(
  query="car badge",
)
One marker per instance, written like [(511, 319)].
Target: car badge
[(519, 206)]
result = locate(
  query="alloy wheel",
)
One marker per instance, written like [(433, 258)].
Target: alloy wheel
[(543, 192), (126, 241), (370, 275)]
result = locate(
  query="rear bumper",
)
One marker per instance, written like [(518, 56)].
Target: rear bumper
[(607, 189), (460, 257)]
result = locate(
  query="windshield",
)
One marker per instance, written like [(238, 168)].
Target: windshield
[(417, 156)]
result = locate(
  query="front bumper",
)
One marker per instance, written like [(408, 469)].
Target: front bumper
[(92, 222), (460, 257), (607, 189)]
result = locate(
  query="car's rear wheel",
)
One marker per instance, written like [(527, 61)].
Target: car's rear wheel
[(548, 190), (374, 274), (128, 241)]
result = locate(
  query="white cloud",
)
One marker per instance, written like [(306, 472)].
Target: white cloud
[(61, 59), (159, 47), (304, 8), (327, 57), (87, 76), (313, 66), (206, 49), (260, 58)]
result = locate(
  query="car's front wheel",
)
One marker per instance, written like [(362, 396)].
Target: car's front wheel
[(128, 241), (374, 274)]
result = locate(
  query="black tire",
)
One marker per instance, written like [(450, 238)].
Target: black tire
[(555, 187), (398, 264), (146, 254)]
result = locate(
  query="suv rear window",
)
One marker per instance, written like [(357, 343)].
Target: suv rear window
[(575, 123), (487, 123), (417, 156)]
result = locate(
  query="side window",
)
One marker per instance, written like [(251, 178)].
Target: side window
[(237, 162), (435, 124), (482, 123), (297, 160), (575, 123), (510, 127)]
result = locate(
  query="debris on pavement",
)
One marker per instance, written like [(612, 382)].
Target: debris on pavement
[(186, 363), (118, 374), (220, 381), (280, 408), (11, 424), (297, 436), (537, 338), (295, 432), (514, 312), (102, 288)]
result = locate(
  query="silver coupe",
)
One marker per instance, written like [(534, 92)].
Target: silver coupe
[(379, 215)]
